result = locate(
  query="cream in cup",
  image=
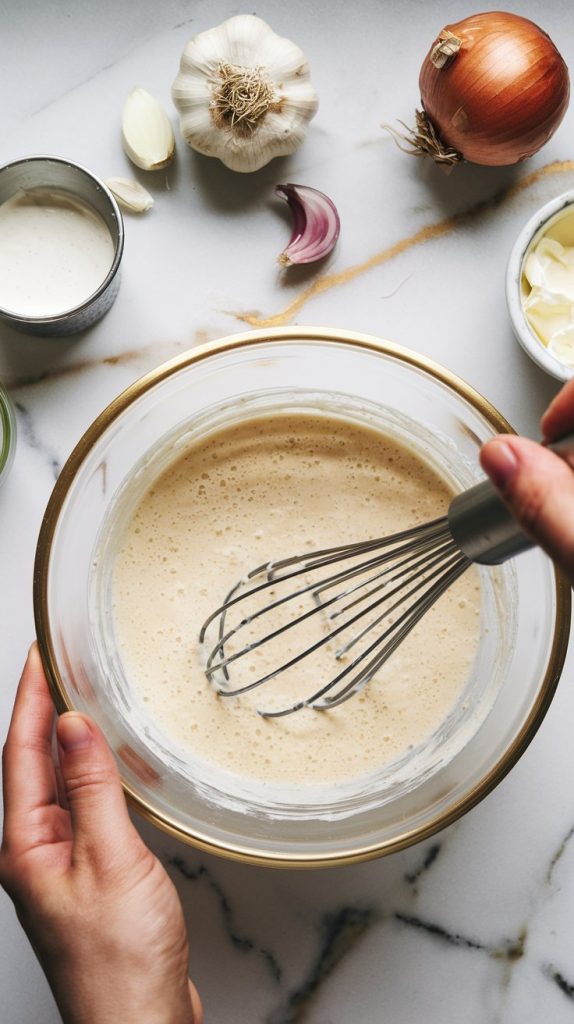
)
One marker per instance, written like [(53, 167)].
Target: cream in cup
[(61, 241)]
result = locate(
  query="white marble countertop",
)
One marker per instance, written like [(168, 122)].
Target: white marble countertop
[(477, 924)]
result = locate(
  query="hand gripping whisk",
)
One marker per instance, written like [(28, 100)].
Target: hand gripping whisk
[(365, 597)]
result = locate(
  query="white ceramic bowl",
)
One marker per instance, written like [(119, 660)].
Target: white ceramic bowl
[(539, 224)]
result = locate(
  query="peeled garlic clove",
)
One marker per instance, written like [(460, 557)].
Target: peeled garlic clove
[(316, 224), (130, 194), (147, 134)]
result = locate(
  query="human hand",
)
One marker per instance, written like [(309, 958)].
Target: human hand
[(102, 915), (537, 484)]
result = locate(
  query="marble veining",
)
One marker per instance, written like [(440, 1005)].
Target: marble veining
[(338, 932), (475, 925), (559, 853), (240, 942), (428, 233), (510, 950), (565, 986), (29, 436), (428, 859)]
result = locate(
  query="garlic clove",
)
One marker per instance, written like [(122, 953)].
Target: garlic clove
[(147, 134), (130, 194), (316, 224)]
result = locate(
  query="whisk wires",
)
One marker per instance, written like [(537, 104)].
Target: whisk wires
[(370, 600)]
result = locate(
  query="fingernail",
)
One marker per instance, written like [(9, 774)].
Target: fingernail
[(73, 732), (500, 463), (33, 652)]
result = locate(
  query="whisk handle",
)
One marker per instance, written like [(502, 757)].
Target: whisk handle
[(484, 528)]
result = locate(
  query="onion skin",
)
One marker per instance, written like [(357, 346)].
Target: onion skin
[(501, 97)]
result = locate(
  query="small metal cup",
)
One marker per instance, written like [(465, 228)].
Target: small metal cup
[(54, 172)]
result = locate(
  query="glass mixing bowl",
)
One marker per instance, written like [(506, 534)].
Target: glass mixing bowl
[(525, 604)]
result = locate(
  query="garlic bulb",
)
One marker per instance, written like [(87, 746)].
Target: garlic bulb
[(244, 94)]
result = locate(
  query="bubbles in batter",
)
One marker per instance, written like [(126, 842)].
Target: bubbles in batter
[(267, 488)]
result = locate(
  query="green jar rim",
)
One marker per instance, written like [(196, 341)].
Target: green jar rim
[(7, 433)]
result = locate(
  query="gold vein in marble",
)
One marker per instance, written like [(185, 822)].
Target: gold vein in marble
[(147, 356), (426, 234)]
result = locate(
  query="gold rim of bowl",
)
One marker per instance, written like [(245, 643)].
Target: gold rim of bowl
[(64, 702)]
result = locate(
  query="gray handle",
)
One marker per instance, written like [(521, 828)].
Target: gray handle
[(484, 528)]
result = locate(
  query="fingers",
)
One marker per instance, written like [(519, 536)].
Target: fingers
[(558, 420), (195, 1003), (104, 836), (538, 486), (29, 780)]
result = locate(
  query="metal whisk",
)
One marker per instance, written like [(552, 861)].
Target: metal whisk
[(368, 597)]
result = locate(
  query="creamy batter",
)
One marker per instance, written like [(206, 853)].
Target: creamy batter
[(268, 488), (55, 251)]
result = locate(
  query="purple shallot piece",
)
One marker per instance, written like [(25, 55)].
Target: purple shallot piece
[(316, 224)]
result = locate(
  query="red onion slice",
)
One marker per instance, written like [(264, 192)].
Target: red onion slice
[(316, 224)]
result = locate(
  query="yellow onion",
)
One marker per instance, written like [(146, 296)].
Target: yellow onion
[(494, 88)]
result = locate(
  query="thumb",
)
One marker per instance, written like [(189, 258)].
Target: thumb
[(102, 831), (538, 487), (196, 1004)]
